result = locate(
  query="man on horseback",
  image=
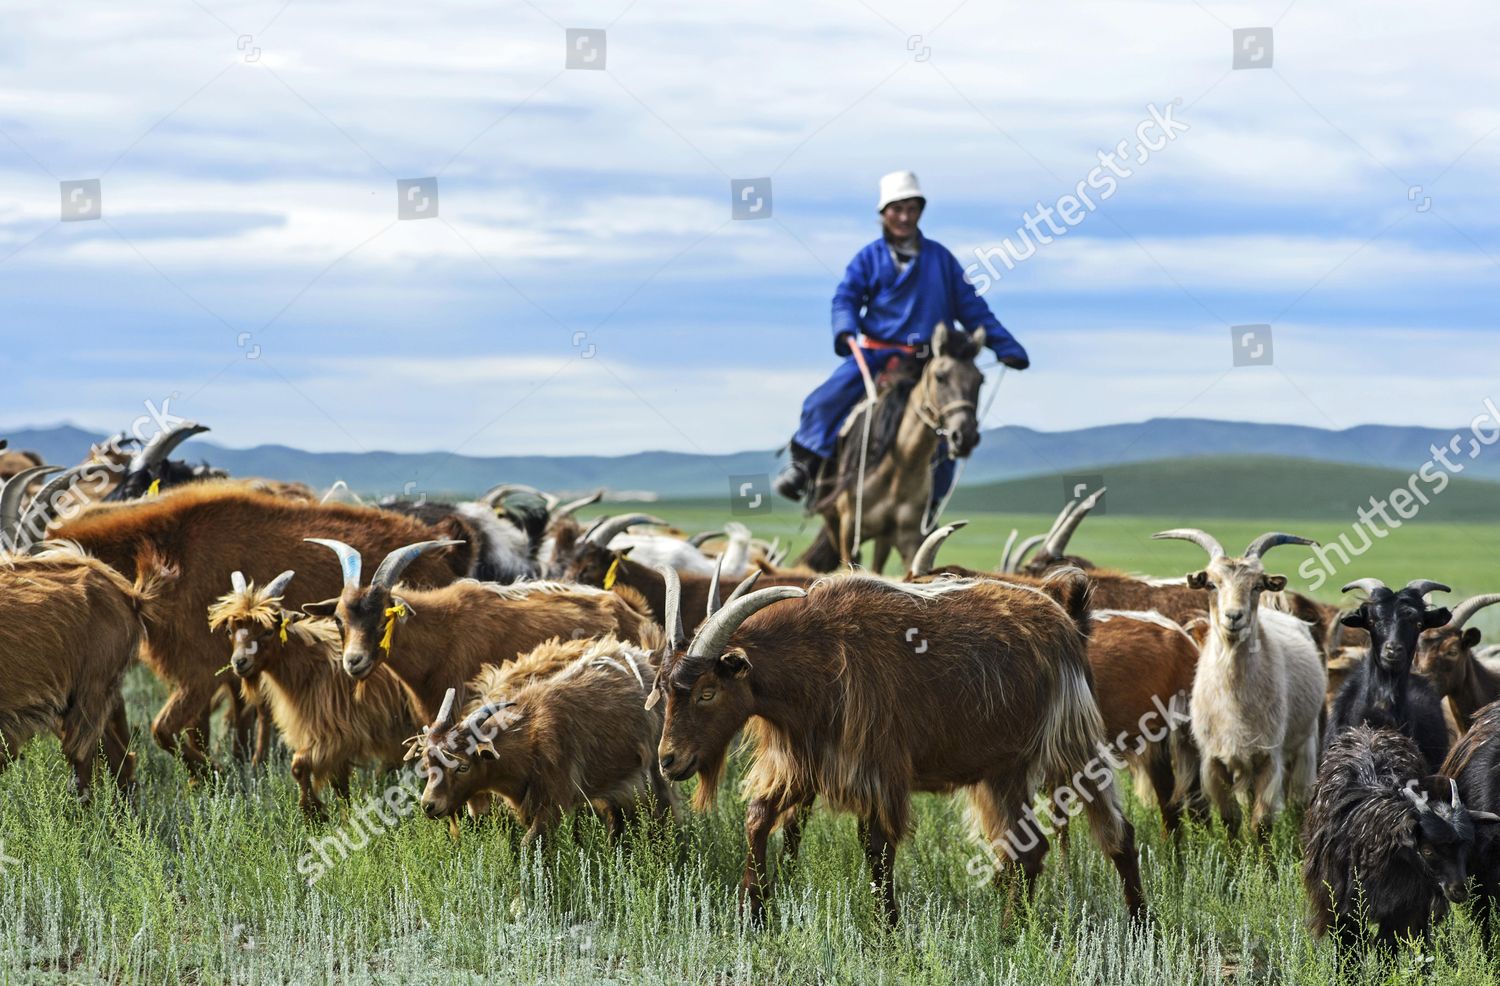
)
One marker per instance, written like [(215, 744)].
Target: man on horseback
[(894, 294)]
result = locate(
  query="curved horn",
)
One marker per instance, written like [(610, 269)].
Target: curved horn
[(276, 588), (1418, 798), (743, 589), (398, 561), (237, 580), (495, 494), (349, 559), (1058, 542), (11, 492), (1424, 586), (445, 713), (42, 504), (1062, 517), (713, 587), (1465, 610), (573, 506), (610, 527), (672, 609), (1200, 538), (921, 563), (1010, 543), (163, 444), (1266, 542), (700, 539), (1023, 549), (1454, 801), (1368, 585), (715, 632)]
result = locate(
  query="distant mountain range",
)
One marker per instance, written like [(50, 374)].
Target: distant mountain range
[(1006, 453)]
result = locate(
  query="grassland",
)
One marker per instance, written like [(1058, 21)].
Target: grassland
[(201, 883)]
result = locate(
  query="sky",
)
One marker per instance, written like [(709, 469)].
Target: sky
[(583, 287)]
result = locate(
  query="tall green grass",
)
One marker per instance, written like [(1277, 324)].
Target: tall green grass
[(200, 883)]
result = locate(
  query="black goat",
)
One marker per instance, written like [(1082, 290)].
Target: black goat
[(1385, 843), (151, 471), (1382, 691), (1475, 765)]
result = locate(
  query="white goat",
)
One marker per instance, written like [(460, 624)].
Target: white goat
[(1258, 690)]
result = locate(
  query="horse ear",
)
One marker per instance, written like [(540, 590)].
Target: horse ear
[(940, 339), (980, 337)]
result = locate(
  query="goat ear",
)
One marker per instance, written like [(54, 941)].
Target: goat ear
[(1356, 618), (1483, 817), (325, 608), (1434, 618), (1273, 583), (734, 664), (1472, 636), (1197, 580), (625, 551)]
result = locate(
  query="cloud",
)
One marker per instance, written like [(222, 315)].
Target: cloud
[(249, 198)]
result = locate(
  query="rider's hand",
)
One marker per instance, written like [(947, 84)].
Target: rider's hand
[(842, 343), (1016, 362)]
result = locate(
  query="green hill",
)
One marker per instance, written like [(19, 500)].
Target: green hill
[(1234, 486)]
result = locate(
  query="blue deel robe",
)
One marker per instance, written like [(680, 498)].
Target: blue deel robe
[(875, 301)]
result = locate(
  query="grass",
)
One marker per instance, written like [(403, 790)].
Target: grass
[(200, 883)]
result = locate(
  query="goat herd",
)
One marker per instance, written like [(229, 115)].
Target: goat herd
[(518, 653)]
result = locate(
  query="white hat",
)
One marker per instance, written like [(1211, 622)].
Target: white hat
[(899, 185)]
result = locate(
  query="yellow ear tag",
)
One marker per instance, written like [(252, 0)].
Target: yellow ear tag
[(392, 614), (155, 488), (612, 574), (282, 633)]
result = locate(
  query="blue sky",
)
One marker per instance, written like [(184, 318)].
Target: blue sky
[(249, 208)]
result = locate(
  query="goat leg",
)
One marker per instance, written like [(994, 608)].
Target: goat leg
[(760, 819), (172, 728), (263, 735), (880, 852), (308, 800)]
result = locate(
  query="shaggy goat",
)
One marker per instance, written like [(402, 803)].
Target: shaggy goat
[(437, 639), (330, 721), (551, 738), (1446, 658), (206, 531), (1258, 693), (840, 702), (70, 626), (1386, 843), (1381, 690)]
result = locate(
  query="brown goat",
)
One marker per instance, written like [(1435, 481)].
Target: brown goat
[(437, 639), (1445, 657), (330, 721), (841, 701), (70, 626), (561, 727), (1143, 666), (206, 531)]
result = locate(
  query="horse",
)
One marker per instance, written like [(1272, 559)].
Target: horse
[(918, 406)]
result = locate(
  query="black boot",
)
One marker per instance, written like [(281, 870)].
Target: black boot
[(793, 481)]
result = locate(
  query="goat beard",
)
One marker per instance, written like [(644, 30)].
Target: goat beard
[(710, 774)]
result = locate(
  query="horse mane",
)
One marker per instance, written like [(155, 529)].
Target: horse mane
[(891, 399)]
